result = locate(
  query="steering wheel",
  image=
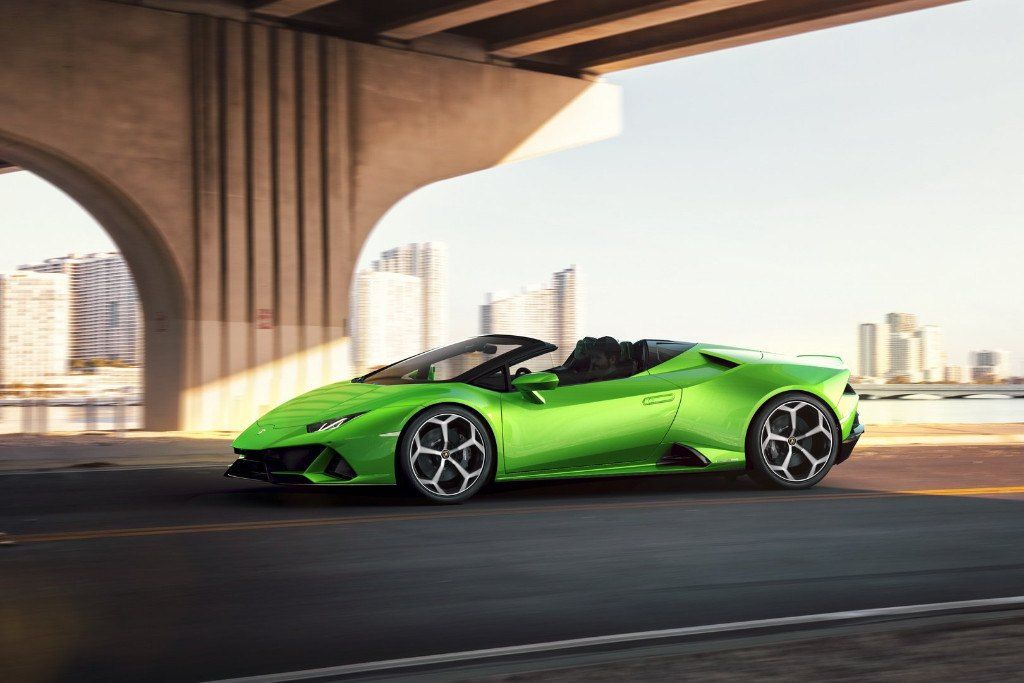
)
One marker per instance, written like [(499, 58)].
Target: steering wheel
[(522, 371)]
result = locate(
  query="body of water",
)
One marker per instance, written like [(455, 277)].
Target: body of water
[(941, 411)]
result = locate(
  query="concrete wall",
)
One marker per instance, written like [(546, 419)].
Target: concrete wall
[(240, 167)]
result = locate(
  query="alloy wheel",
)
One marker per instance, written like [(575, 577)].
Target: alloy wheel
[(796, 441), (447, 454)]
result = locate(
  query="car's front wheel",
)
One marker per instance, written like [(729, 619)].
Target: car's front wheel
[(446, 454), (792, 442)]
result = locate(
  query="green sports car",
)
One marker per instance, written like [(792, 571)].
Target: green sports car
[(502, 408)]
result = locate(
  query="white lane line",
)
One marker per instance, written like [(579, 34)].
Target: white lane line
[(621, 638)]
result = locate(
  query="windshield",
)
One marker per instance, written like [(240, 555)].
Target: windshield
[(445, 363)]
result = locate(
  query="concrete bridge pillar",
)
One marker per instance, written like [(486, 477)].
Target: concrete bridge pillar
[(240, 166)]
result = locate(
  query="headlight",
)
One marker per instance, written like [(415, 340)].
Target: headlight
[(332, 423)]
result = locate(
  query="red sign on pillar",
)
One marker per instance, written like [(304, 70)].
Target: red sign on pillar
[(264, 318)]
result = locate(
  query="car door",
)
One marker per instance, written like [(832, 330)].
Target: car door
[(618, 421)]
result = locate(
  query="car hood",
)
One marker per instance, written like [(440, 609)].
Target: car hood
[(318, 404)]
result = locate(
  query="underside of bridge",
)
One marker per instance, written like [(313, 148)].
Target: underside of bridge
[(239, 152), (570, 37)]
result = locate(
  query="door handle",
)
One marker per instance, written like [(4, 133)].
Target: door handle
[(657, 398)]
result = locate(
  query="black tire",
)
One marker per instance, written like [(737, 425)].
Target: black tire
[(758, 461), (475, 455)]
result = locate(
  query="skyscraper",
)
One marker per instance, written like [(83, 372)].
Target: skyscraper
[(388, 318), (933, 358), (901, 322), (905, 348), (899, 349), (429, 262), (552, 312), (989, 365), (954, 374), (568, 299), (873, 349), (105, 311), (34, 329)]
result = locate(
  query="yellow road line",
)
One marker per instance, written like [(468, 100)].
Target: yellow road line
[(435, 515), (979, 491)]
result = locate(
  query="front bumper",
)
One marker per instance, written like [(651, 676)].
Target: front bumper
[(846, 448), (301, 465)]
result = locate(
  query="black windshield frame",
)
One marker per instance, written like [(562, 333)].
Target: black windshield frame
[(526, 347)]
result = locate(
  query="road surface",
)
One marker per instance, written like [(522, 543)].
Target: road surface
[(180, 574)]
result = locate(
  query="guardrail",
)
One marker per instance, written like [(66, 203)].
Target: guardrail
[(92, 414), (872, 391)]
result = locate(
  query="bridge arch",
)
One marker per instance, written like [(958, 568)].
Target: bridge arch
[(148, 257)]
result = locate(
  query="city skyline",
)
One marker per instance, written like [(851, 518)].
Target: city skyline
[(399, 304), (553, 312), (68, 316), (106, 315), (899, 349)]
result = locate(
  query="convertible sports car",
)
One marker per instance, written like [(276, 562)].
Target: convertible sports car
[(447, 421)]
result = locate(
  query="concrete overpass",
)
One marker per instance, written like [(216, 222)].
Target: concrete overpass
[(939, 390), (239, 152)]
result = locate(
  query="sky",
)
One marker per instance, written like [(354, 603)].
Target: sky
[(771, 196)]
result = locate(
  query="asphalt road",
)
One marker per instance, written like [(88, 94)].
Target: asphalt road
[(180, 574)]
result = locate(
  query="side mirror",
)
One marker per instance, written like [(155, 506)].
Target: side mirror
[(529, 385)]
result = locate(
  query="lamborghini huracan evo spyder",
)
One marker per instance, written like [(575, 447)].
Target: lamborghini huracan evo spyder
[(447, 421)]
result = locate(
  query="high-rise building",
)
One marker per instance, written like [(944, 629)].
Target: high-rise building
[(933, 358), (429, 262), (388, 318), (106, 314), (34, 329), (552, 313), (905, 349), (568, 295), (873, 350), (901, 322), (899, 349), (954, 374), (989, 365)]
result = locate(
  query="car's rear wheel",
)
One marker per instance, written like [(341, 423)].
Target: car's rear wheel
[(446, 454), (792, 442)]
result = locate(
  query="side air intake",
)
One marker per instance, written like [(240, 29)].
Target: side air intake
[(683, 456), (719, 361)]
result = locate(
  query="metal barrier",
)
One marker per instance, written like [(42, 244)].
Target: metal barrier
[(93, 414), (34, 417)]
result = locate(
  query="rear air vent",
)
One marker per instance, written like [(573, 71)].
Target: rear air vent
[(850, 390), (720, 362), (683, 456)]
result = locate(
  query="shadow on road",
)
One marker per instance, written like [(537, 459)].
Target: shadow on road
[(618, 488)]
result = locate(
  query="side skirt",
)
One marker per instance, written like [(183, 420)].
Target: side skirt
[(620, 470)]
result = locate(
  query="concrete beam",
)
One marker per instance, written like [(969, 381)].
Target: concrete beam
[(585, 27), (289, 8), (452, 15), (763, 21)]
